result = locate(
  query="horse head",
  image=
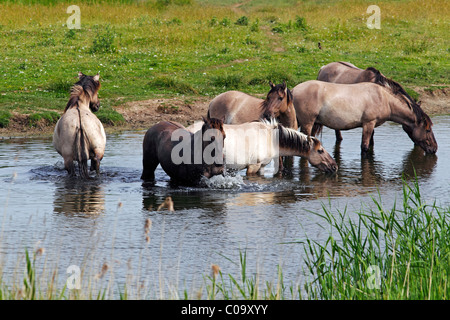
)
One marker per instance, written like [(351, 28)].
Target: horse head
[(91, 85), (213, 136), (319, 157), (420, 131), (277, 101)]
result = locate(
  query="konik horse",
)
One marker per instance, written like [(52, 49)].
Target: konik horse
[(236, 107), (79, 134), (366, 105), (253, 145), (345, 72), (162, 146)]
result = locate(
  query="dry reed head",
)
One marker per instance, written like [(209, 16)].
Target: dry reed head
[(215, 269), (168, 203)]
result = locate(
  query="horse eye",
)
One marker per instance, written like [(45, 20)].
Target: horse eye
[(320, 151), (280, 98)]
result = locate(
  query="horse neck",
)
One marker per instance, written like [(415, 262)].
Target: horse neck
[(401, 112), (293, 142), (288, 118), (80, 100)]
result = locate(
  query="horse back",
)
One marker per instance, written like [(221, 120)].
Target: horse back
[(339, 72), (235, 107)]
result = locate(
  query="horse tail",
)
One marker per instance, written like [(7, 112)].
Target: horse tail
[(80, 150), (316, 129)]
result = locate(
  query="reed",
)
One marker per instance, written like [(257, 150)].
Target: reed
[(397, 253)]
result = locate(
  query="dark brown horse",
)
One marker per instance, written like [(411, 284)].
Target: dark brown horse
[(236, 107), (345, 72), (366, 105), (188, 159)]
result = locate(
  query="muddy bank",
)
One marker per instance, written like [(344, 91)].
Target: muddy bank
[(140, 115)]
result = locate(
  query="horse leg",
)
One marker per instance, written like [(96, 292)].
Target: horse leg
[(338, 135), (366, 136), (70, 167), (253, 168), (149, 162), (307, 128), (371, 139)]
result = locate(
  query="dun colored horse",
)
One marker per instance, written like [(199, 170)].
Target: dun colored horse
[(366, 105), (237, 107), (79, 134), (162, 146), (345, 72), (253, 145)]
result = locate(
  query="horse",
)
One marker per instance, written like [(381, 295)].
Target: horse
[(366, 105), (162, 145), (79, 135), (253, 145), (238, 107), (346, 72)]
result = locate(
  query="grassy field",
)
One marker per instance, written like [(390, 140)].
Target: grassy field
[(145, 49)]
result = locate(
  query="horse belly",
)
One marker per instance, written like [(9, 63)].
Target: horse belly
[(340, 118)]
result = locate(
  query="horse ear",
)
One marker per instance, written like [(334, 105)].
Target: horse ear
[(271, 84), (97, 77), (80, 74)]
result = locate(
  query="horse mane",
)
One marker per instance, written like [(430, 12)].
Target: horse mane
[(293, 139), (397, 90), (85, 85), (348, 64)]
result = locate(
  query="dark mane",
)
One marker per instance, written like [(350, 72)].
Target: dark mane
[(398, 90), (348, 65), (293, 139), (86, 85)]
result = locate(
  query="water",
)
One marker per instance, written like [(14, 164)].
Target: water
[(91, 223)]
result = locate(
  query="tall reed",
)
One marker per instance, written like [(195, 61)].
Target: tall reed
[(398, 253)]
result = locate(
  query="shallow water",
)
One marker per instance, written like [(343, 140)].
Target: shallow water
[(102, 220)]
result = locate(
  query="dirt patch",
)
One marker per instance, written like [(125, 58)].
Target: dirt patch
[(434, 102), (144, 114)]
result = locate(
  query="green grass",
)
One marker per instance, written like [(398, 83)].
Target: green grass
[(408, 244), (177, 47)]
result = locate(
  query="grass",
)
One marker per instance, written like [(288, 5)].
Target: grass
[(173, 47)]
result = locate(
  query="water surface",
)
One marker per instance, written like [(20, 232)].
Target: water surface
[(89, 223)]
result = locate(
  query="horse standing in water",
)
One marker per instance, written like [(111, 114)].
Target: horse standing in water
[(345, 72), (366, 105), (79, 134), (236, 107), (253, 145), (162, 146)]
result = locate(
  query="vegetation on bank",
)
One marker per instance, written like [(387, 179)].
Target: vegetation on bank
[(398, 253), (145, 49)]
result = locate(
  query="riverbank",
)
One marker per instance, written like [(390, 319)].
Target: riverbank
[(141, 115)]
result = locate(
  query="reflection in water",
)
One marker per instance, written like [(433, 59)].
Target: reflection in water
[(419, 162), (74, 196)]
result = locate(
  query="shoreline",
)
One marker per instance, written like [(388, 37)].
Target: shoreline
[(141, 115)]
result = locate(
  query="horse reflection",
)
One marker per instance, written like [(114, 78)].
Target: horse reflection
[(74, 197), (417, 162)]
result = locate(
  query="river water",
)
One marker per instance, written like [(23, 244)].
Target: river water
[(101, 222)]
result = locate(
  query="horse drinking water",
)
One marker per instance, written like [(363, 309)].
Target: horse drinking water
[(162, 145), (366, 105), (345, 72), (253, 145), (79, 134)]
